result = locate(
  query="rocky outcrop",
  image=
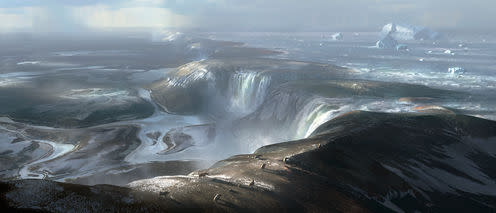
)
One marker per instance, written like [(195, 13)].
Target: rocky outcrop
[(358, 162), (181, 138)]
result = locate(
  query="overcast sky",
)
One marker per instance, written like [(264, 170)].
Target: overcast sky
[(242, 15)]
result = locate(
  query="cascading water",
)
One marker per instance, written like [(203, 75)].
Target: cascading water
[(315, 113), (247, 90)]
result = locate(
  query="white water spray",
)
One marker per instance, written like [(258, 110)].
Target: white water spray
[(317, 112), (247, 90)]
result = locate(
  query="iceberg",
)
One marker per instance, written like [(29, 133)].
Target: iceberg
[(387, 42), (172, 36), (449, 52), (456, 70), (169, 36), (407, 32), (402, 47), (337, 36)]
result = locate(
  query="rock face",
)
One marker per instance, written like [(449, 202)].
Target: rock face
[(407, 32), (362, 160), (358, 162), (294, 109)]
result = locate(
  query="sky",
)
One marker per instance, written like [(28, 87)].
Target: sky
[(242, 15)]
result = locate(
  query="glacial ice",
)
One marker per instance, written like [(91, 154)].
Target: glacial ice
[(456, 70), (387, 42), (407, 32), (402, 47), (337, 36)]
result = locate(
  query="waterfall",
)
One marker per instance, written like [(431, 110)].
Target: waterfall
[(247, 91), (317, 112)]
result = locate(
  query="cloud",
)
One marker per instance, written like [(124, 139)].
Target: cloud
[(13, 20), (82, 15), (242, 15), (77, 18), (101, 16), (329, 15)]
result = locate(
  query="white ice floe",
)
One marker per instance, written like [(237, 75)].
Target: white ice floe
[(456, 70), (337, 36), (28, 63)]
